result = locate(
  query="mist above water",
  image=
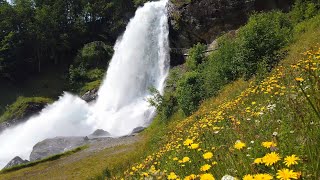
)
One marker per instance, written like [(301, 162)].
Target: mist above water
[(140, 61)]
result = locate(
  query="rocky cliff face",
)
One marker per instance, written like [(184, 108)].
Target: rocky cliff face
[(193, 21)]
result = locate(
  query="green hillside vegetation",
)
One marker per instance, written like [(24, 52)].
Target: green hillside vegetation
[(268, 131), (265, 124), (50, 158), (18, 108)]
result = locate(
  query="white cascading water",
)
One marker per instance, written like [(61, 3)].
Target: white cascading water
[(140, 61)]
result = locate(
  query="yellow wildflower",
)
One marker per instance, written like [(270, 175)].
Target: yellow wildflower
[(205, 167), (263, 177), (187, 142), (144, 174), (299, 79), (239, 145), (248, 177), (172, 175), (207, 155), (286, 174), (291, 160), (271, 158), (175, 159), (269, 144), (185, 159), (258, 161), (194, 146), (190, 177), (206, 177)]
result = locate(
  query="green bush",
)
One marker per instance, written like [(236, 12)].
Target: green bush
[(196, 56), (89, 65), (94, 55), (261, 38), (222, 66), (306, 25), (190, 92), (304, 9), (89, 86), (166, 105)]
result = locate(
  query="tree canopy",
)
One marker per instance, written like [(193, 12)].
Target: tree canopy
[(35, 34)]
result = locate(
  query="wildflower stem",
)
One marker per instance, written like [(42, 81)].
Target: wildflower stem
[(310, 102)]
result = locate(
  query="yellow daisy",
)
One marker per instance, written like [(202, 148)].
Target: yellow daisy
[(291, 160), (271, 158), (286, 174), (207, 155), (239, 145)]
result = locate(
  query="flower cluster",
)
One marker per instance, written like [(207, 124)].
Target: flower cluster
[(251, 136)]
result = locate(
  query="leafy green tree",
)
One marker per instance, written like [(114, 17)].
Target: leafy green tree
[(261, 38), (90, 63)]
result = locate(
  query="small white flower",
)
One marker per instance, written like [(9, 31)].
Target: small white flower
[(228, 177), (275, 134)]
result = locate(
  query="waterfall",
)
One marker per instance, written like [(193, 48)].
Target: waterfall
[(140, 61)]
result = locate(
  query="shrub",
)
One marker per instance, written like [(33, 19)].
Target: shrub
[(304, 9), (222, 66), (190, 92), (90, 64), (196, 56), (306, 25), (94, 55), (261, 38), (166, 105)]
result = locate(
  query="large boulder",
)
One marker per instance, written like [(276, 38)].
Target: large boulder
[(100, 133), (204, 20), (16, 161), (55, 145), (138, 130)]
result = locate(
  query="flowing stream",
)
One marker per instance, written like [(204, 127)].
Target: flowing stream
[(140, 61)]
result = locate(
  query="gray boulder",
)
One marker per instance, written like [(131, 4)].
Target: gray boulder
[(100, 133), (55, 145), (90, 95), (16, 161), (138, 130)]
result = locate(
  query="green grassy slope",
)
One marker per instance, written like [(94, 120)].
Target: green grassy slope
[(273, 120)]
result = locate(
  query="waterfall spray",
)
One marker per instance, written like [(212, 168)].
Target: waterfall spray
[(140, 61)]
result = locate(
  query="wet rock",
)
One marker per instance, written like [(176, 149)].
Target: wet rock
[(54, 146), (16, 161), (90, 95), (137, 130), (204, 20), (100, 133)]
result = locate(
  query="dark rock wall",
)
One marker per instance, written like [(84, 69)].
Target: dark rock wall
[(203, 20)]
